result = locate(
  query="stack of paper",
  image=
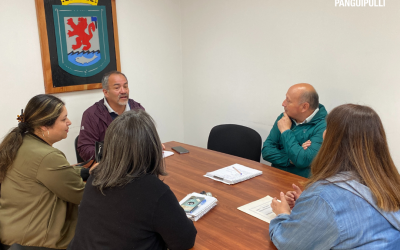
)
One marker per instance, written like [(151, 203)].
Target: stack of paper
[(202, 209), (233, 174)]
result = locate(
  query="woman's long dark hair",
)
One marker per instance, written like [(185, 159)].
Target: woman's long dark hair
[(355, 141), (41, 110), (132, 148)]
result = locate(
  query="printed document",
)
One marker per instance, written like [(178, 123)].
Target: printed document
[(260, 209)]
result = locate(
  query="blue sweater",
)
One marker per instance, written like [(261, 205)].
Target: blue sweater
[(343, 215)]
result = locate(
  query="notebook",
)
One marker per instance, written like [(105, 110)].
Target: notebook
[(203, 208), (233, 174)]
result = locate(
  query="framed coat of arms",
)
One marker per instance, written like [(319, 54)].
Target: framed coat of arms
[(79, 43)]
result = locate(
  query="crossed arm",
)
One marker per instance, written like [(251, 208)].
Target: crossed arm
[(271, 150), (300, 155)]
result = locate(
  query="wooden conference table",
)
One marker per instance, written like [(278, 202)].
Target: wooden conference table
[(225, 227)]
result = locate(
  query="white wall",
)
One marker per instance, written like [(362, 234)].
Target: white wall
[(240, 57), (150, 49), (225, 61)]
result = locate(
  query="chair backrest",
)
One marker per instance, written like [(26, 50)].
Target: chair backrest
[(78, 157), (235, 140)]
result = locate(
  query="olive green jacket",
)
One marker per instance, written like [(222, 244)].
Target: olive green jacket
[(39, 197)]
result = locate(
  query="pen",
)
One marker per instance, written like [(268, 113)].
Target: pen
[(237, 170), (219, 178)]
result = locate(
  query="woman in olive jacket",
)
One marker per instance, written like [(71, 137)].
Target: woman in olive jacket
[(40, 191)]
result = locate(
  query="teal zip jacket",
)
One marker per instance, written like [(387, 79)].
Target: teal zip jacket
[(281, 149)]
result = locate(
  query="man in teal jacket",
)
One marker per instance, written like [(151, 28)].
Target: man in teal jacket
[(296, 136)]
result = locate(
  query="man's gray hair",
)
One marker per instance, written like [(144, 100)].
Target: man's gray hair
[(104, 80), (312, 98)]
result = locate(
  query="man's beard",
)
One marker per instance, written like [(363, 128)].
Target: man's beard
[(122, 103)]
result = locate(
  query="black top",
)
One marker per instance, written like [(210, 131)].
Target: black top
[(143, 214)]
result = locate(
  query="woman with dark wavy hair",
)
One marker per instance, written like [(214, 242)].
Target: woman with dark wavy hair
[(125, 204), (40, 191), (352, 199)]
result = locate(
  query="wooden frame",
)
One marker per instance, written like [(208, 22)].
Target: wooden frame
[(45, 52)]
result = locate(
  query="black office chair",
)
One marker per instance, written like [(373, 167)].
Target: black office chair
[(78, 157), (235, 140)]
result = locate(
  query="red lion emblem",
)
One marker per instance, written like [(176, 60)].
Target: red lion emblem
[(79, 30)]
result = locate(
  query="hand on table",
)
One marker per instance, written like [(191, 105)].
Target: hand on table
[(163, 147), (292, 196), (284, 123), (306, 144), (280, 207)]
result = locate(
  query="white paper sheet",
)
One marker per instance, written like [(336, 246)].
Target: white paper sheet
[(167, 153), (260, 209)]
